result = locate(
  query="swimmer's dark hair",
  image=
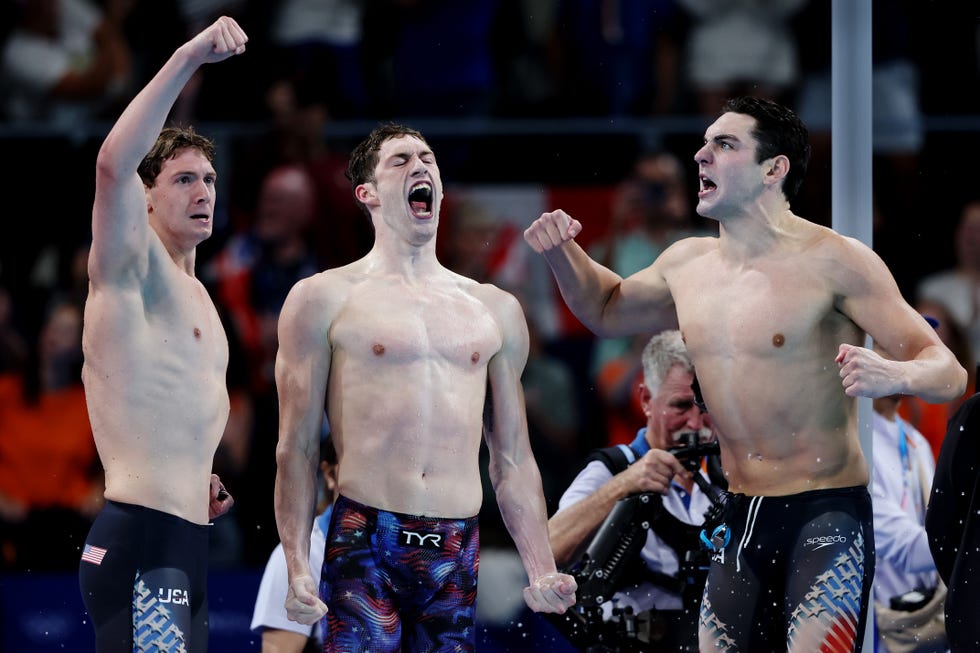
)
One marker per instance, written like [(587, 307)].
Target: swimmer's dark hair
[(778, 131), (364, 156), (171, 141)]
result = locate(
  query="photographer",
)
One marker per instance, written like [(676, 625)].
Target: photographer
[(661, 595)]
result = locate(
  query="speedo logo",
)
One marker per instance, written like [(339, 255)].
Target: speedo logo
[(824, 540)]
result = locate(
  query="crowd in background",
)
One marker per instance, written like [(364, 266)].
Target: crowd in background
[(286, 209)]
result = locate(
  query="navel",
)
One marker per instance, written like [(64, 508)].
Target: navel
[(197, 332), (475, 358), (378, 349), (778, 340)]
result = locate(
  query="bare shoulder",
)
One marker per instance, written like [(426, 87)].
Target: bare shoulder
[(687, 249), (825, 241), (320, 295), (499, 301), (694, 245), (845, 260)]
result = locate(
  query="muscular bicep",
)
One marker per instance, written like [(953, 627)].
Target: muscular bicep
[(507, 436), (120, 229), (870, 297), (644, 299), (302, 364), (640, 303)]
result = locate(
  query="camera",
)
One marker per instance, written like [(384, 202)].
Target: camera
[(612, 560)]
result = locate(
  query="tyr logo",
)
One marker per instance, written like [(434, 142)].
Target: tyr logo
[(175, 596), (421, 540)]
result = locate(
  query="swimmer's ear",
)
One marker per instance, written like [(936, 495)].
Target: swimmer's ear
[(366, 194), (778, 168)]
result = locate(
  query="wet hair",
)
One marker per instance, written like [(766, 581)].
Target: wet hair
[(168, 144), (364, 156), (778, 130), (661, 353)]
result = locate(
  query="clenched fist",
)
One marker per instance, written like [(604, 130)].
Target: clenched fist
[(551, 230), (554, 592)]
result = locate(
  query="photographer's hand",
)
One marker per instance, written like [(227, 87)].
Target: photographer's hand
[(652, 473)]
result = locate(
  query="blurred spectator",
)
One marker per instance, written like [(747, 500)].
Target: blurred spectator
[(300, 116), (903, 470), (431, 58), (255, 270), (898, 132), (740, 47), (528, 60), (153, 30), (958, 287), (250, 278), (235, 92), (318, 42), (65, 61), (957, 25), (50, 479), (931, 419), (620, 57), (13, 347), (477, 242), (616, 381), (651, 209), (897, 120), (60, 272)]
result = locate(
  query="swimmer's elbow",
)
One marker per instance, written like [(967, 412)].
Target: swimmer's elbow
[(962, 382)]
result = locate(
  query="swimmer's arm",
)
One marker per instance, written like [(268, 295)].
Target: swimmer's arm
[(602, 300), (918, 362), (120, 231), (302, 370), (513, 470)]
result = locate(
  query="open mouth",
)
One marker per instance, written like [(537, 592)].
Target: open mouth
[(204, 217), (420, 199), (706, 185)]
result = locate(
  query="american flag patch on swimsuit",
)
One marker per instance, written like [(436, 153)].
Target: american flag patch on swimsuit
[(93, 554)]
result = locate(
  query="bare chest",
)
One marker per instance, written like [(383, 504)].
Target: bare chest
[(170, 323), (400, 325), (770, 310), (183, 315)]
